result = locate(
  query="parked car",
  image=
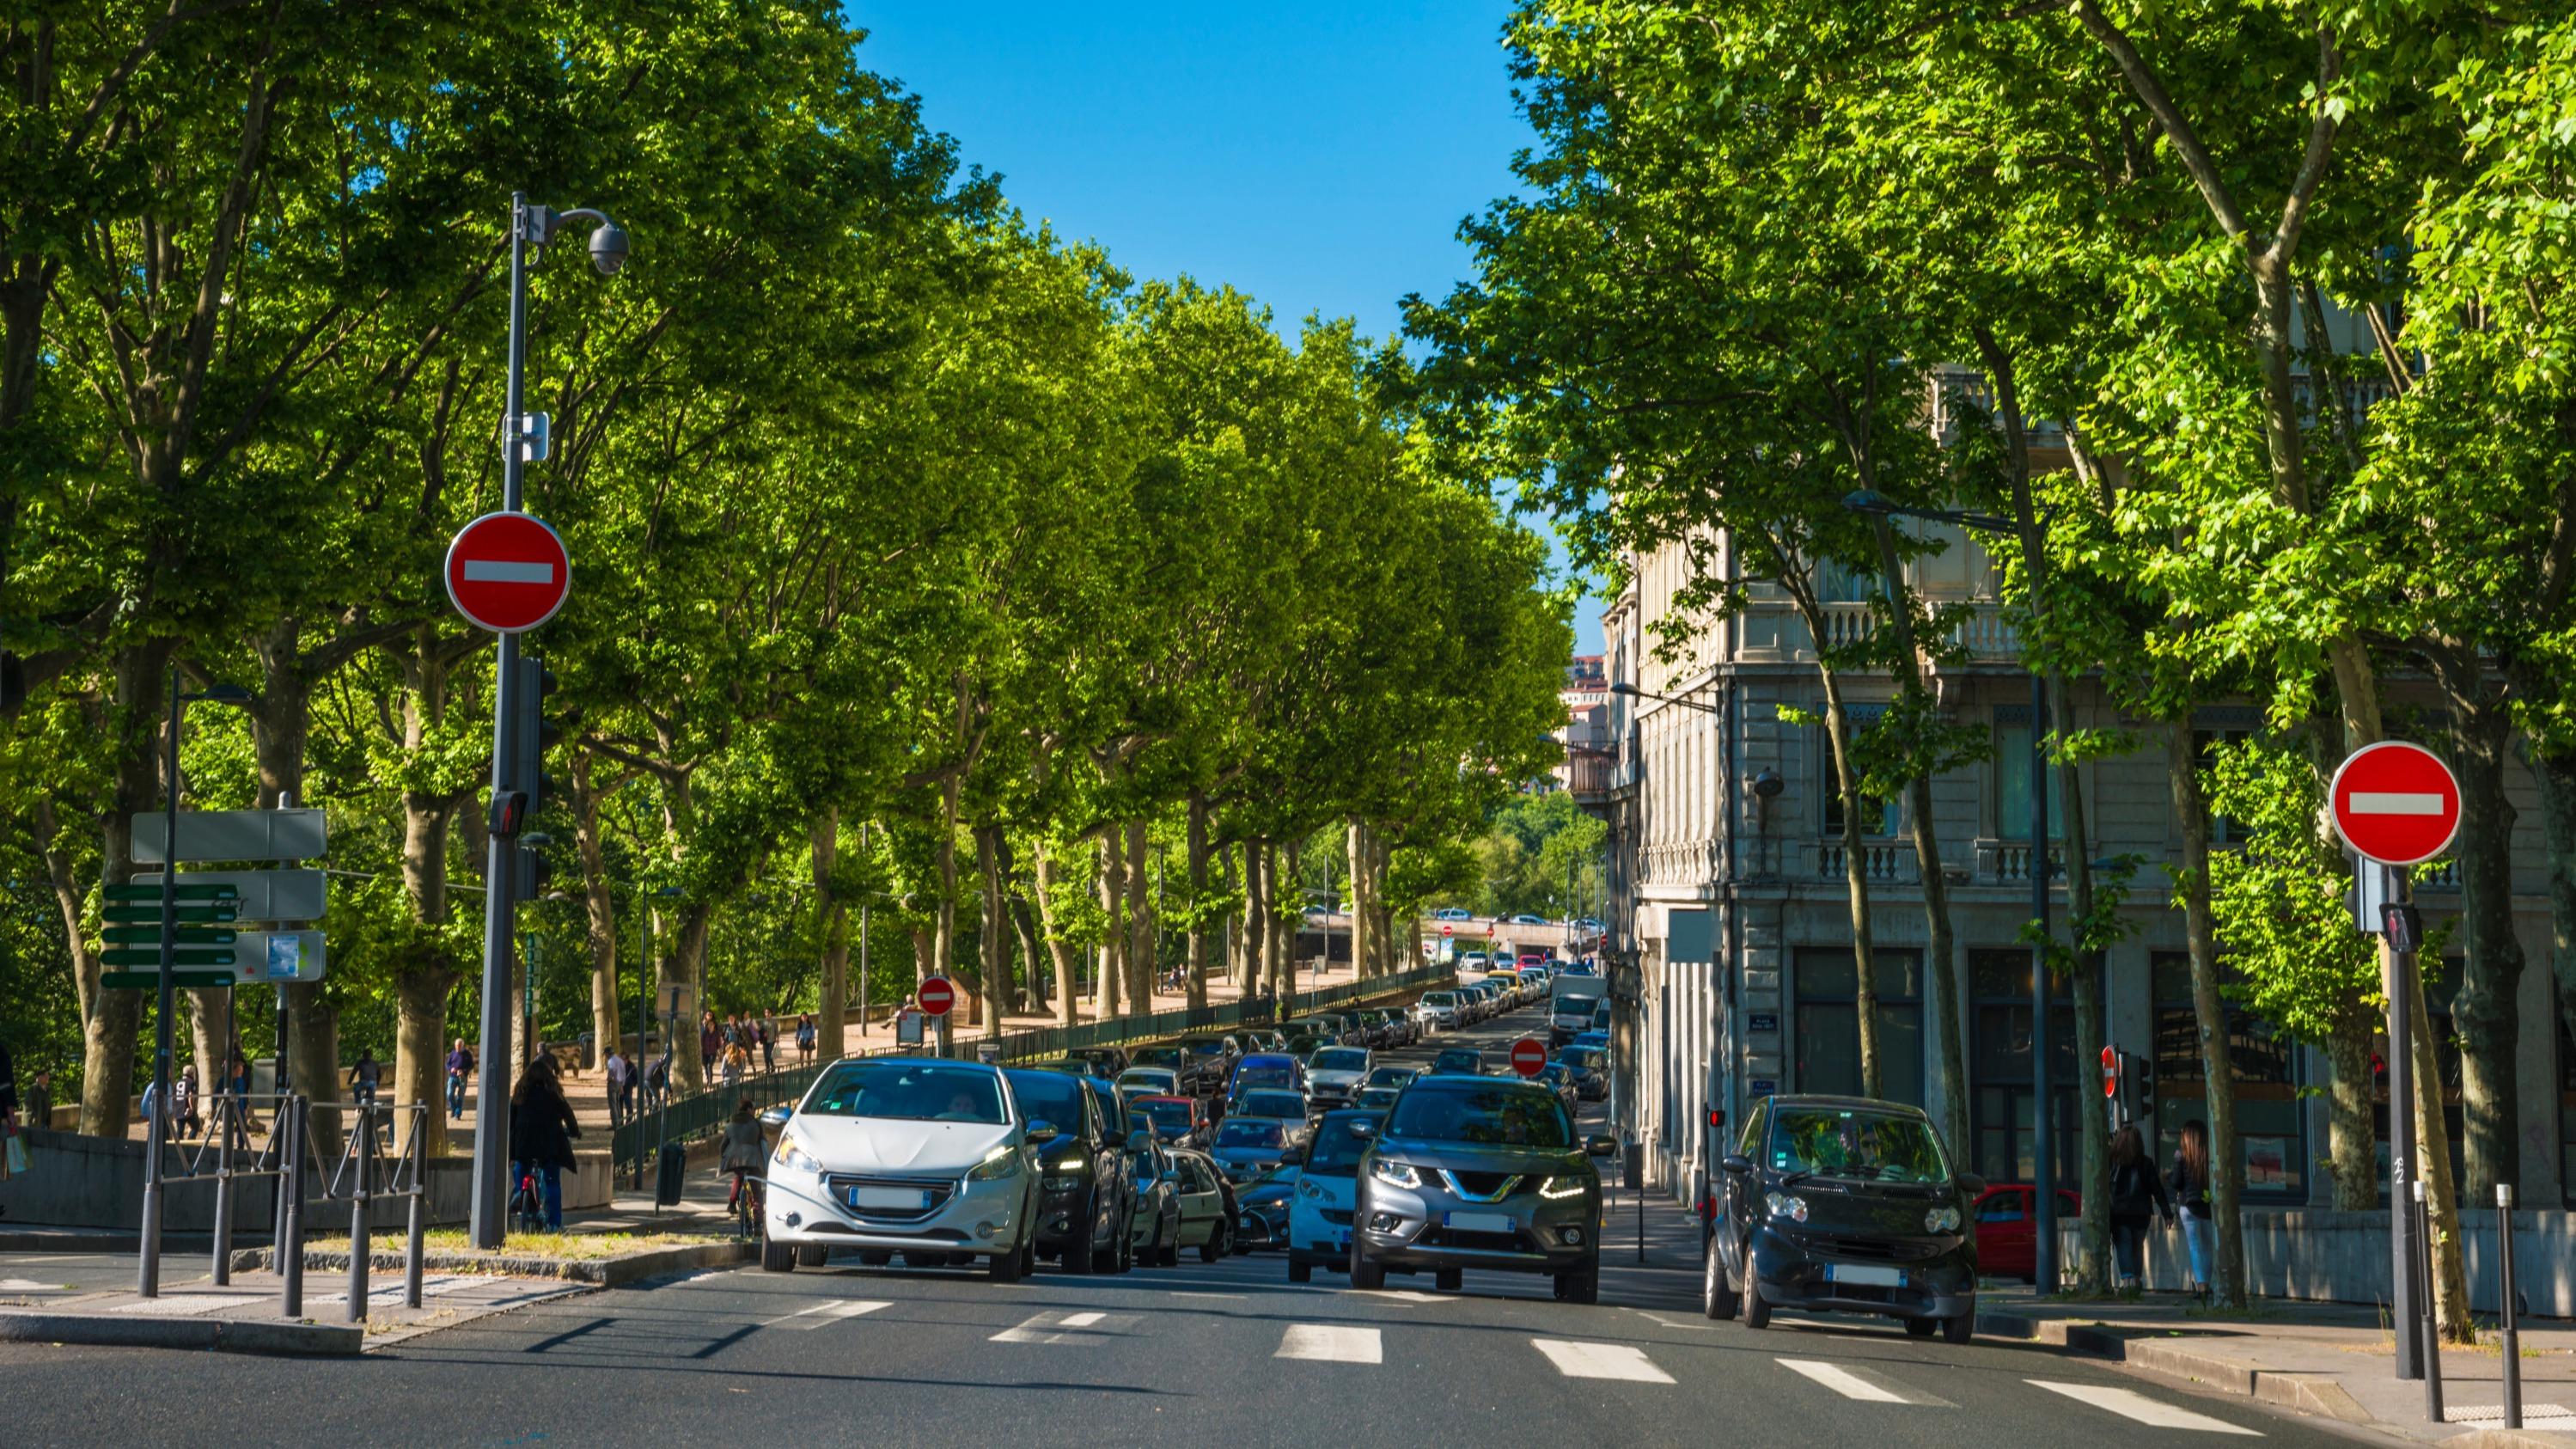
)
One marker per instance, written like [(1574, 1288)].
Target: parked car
[(1472, 961), (1452, 913), (1176, 1121), (1261, 1209), (1083, 1183), (1555, 1075), (1334, 1074), (1262, 1040), (912, 1155), (1440, 1011), (1157, 1226), (1463, 1061), (2007, 1219), (1478, 1172), (1590, 1068), (1319, 1219), (1306, 1045), (1149, 1082), (1844, 1205)]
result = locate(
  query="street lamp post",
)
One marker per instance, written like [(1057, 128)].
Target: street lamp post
[(2042, 1107), (524, 437), (155, 1129)]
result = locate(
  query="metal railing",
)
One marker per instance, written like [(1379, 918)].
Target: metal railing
[(354, 1181)]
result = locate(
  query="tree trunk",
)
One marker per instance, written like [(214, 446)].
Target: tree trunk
[(1059, 950), (1198, 938), (2227, 1165), (1144, 960), (1855, 877), (2486, 1011), (313, 1061), (2556, 774), (1255, 969), (1279, 941), (2352, 1144), (2433, 1168), (832, 1004), (944, 959), (2093, 1270), (420, 1055), (107, 1055), (1356, 842), (992, 935), (1028, 990), (599, 909), (683, 965), (1112, 977)]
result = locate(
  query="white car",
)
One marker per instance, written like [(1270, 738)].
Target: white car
[(917, 1155), (1148, 1082), (1319, 1214), (1440, 1009), (1334, 1074)]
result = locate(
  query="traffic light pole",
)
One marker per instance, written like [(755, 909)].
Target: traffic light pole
[(2043, 1101), (487, 1219), (2397, 967), (148, 1256)]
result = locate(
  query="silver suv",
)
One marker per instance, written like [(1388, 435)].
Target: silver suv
[(1480, 1172)]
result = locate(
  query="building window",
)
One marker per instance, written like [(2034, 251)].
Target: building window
[(2271, 1127), (1999, 1070), (2012, 785), (1828, 1022), (1880, 818)]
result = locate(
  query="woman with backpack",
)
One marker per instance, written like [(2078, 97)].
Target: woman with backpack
[(2190, 1183), (2138, 1198), (542, 1128)]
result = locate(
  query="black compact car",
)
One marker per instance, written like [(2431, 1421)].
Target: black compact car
[(1844, 1205), (1084, 1201), (1480, 1172)]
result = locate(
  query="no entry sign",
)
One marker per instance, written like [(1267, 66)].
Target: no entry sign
[(936, 996), (507, 572), (2395, 803), (1529, 1056)]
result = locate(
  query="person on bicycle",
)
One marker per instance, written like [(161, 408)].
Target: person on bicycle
[(542, 1127), (744, 1148)]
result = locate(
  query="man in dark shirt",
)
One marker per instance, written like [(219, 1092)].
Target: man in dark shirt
[(460, 1065)]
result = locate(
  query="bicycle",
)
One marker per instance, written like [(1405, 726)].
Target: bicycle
[(746, 1204)]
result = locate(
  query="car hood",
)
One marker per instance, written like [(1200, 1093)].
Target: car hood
[(1333, 1077), (898, 1145), (1838, 1206), (1465, 1157)]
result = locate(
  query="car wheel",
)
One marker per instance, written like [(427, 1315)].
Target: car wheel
[(1921, 1327), (1365, 1274), (1172, 1253), (1757, 1309), (811, 1255), (1959, 1329), (1449, 1280), (1301, 1272), (1215, 1247), (1717, 1298), (777, 1257), (1006, 1267), (876, 1257)]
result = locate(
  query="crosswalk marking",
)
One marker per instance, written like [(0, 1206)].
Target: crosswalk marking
[(1862, 1384), (2130, 1404), (1082, 1320), (1064, 1328), (191, 1303), (824, 1314), (1580, 1360), (1331, 1343)]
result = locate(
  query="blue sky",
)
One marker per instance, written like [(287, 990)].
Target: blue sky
[(1318, 157)]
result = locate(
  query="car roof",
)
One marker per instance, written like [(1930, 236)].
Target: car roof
[(1852, 1104), (1164, 1097), (1271, 1057)]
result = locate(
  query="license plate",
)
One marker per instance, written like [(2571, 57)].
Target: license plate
[(892, 1199), (1869, 1274), (1479, 1222)]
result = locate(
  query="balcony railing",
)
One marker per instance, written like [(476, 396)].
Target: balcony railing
[(1888, 861), (1988, 634)]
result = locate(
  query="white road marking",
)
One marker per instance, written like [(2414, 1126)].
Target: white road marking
[(1082, 1320), (2394, 802), (192, 1303), (1861, 1384), (1064, 1328), (507, 571), (1400, 1295), (2130, 1404), (1331, 1343), (30, 1285), (1579, 1360), (824, 1314)]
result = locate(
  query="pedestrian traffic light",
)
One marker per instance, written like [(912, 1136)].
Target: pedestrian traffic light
[(537, 731), (2137, 1085), (509, 813), (536, 872)]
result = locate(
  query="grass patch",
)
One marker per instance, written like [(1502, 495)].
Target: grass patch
[(579, 1247)]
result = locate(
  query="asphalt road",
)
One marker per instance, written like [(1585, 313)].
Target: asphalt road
[(1203, 1354)]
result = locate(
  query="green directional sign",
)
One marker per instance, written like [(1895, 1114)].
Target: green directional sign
[(151, 915), (151, 956), (151, 980), (189, 935), (185, 892)]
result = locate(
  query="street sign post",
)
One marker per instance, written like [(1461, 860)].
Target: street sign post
[(937, 997), (508, 572), (1529, 1056)]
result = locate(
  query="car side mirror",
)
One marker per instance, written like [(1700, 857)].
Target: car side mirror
[(1601, 1146), (1293, 1157), (1736, 1163), (1970, 1183), (776, 1117), (1140, 1140), (1041, 1130)]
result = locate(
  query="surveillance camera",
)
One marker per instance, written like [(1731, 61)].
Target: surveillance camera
[(608, 248)]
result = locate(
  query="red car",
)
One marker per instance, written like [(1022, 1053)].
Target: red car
[(2007, 1229), (1177, 1121)]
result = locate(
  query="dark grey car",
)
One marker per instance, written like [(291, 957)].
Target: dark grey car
[(1480, 1172)]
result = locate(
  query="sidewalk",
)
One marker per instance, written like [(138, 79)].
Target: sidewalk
[(2329, 1359)]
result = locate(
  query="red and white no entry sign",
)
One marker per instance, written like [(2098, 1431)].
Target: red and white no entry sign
[(1529, 1056), (2110, 1072), (1445, 930), (507, 572), (2395, 803), (936, 996)]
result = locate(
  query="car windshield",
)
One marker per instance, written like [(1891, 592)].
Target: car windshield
[(1050, 1097), (1339, 1143), (1842, 1142), (1205, 1048), (1246, 1132), (1377, 1099), (1441, 998), (1502, 1115), (1157, 1056), (1171, 1116), (1266, 1074), (1272, 1104), (912, 1090), (1459, 1061), (1340, 1059), (1583, 1058), (1390, 1076)]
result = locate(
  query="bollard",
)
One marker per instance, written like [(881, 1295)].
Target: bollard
[(289, 1255), (2505, 1307), (223, 1194), (2430, 1326), (417, 1226), (363, 1150)]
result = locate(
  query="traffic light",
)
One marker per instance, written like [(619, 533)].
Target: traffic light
[(535, 871), (2137, 1085), (509, 813), (537, 731)]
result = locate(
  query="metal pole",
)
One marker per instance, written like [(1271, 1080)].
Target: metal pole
[(2398, 972), (416, 1226), (643, 1016), (2431, 1330), (863, 939), (227, 1115), (500, 876), (360, 1245), (2043, 1102), (2505, 1318), (149, 1268), (289, 1253), (277, 1191)]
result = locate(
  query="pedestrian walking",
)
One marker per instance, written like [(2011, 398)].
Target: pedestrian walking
[(363, 1079), (805, 1039), (710, 1040), (36, 1103), (184, 1104), (736, 1062), (542, 1127), (2138, 1197), (237, 1119), (2190, 1184), (460, 1065), (657, 1081), (619, 1079), (768, 1044)]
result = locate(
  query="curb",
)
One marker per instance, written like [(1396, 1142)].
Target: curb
[(221, 1335), (2509, 1439), (596, 1272), (2307, 1393)]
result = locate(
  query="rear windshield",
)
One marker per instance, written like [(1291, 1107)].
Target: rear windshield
[(1050, 1097), (912, 1090), (1337, 1148), (1174, 1115), (1341, 1059), (1441, 998), (1456, 1061), (1588, 1058), (1502, 1115), (1240, 1132), (1157, 1056), (1271, 1104), (1205, 1048), (1391, 1076), (1833, 1142), (1266, 1074)]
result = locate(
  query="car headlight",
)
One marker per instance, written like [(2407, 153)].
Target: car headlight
[(1941, 1220), (1308, 1189), (1071, 1164), (793, 1153), (1396, 1174), (1001, 1162), (1786, 1205), (1561, 1188), (1061, 1184)]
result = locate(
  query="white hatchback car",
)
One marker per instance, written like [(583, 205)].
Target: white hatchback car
[(916, 1155), (1439, 1010)]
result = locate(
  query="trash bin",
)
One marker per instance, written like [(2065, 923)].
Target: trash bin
[(988, 1052), (667, 1172)]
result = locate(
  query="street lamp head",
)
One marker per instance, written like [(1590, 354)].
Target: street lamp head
[(1767, 783), (220, 694), (608, 248), (1624, 687), (1863, 500)]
